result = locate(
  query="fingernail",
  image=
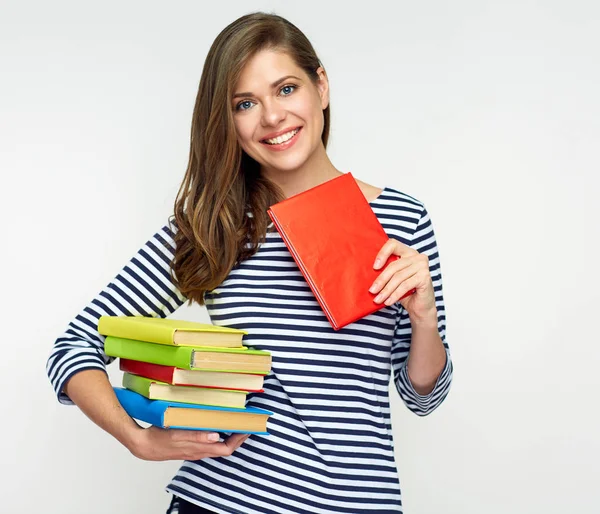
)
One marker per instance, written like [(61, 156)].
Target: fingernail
[(378, 298), (373, 288), (213, 436), (377, 263)]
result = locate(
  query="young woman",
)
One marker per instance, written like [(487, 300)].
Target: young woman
[(259, 134)]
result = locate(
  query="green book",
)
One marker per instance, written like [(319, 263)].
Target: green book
[(232, 360)]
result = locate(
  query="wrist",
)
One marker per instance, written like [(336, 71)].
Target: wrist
[(133, 438), (428, 320)]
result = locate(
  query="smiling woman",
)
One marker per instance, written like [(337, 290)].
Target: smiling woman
[(281, 94), (259, 134)]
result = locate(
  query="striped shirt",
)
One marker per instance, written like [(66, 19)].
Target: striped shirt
[(331, 447)]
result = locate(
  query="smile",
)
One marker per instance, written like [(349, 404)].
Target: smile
[(282, 141)]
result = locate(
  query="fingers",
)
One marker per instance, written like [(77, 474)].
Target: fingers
[(394, 268), (204, 451), (401, 278), (392, 247), (207, 437), (222, 449), (197, 444), (236, 440), (195, 436), (175, 444), (400, 283), (407, 286), (227, 447)]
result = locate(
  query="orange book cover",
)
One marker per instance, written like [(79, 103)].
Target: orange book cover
[(334, 237)]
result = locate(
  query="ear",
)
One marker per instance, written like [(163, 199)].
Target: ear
[(323, 87)]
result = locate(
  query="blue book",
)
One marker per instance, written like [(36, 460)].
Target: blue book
[(188, 416)]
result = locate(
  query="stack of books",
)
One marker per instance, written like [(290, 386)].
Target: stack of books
[(183, 374)]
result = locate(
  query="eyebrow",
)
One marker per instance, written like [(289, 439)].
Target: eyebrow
[(273, 85)]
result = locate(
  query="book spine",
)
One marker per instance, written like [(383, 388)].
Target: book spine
[(137, 384), (145, 369)]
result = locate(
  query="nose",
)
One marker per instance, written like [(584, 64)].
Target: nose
[(272, 113)]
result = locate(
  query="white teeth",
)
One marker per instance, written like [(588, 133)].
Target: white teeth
[(283, 138)]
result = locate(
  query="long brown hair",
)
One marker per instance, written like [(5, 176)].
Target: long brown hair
[(220, 213)]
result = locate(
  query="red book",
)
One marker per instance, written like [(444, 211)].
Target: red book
[(334, 237), (199, 378)]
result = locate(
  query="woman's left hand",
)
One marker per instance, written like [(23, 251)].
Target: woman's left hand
[(410, 271)]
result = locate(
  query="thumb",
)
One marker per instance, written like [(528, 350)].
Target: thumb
[(235, 440), (203, 436), (195, 436)]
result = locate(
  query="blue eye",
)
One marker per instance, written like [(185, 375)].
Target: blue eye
[(287, 90), (244, 106)]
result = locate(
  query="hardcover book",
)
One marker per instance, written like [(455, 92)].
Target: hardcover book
[(197, 378), (234, 360), (154, 390), (188, 416), (334, 236), (170, 331)]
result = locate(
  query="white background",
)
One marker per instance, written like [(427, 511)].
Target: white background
[(486, 111)]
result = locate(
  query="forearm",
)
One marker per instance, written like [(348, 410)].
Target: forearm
[(92, 392), (427, 355)]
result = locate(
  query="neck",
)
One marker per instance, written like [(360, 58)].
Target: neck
[(316, 170)]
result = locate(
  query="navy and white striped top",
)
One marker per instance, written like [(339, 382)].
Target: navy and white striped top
[(331, 447)]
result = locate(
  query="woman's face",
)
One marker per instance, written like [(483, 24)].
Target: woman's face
[(278, 111)]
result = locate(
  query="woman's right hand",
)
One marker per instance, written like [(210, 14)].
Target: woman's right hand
[(156, 444), (92, 392)]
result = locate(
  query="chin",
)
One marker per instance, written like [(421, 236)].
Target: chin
[(287, 165), (290, 162)]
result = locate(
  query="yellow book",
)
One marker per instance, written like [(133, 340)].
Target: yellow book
[(155, 390), (172, 332)]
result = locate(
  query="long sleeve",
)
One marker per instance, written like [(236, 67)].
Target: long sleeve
[(142, 288), (423, 240)]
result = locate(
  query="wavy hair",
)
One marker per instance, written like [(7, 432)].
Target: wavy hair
[(220, 213)]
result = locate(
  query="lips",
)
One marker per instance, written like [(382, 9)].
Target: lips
[(277, 138), (283, 141)]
